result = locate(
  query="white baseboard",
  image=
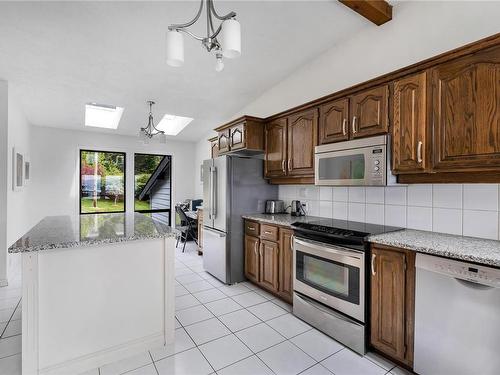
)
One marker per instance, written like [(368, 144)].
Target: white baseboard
[(4, 282), (100, 358)]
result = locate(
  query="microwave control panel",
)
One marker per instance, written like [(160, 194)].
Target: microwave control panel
[(376, 163)]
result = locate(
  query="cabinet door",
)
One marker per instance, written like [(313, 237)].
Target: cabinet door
[(466, 103), (237, 136), (252, 258), (369, 112), (410, 124), (302, 138), (223, 140), (275, 144), (269, 258), (286, 265), (333, 121), (392, 303), (214, 145)]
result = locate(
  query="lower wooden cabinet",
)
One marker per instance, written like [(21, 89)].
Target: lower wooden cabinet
[(286, 265), (269, 258), (252, 258), (392, 302), (269, 267)]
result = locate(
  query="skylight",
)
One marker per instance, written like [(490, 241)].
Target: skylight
[(172, 125), (102, 116)]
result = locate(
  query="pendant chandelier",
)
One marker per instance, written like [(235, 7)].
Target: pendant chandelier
[(147, 133), (225, 40)]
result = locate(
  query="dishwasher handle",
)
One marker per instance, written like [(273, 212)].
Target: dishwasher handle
[(473, 285)]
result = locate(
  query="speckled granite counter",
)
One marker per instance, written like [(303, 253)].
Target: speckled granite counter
[(285, 220), (471, 249), (55, 232)]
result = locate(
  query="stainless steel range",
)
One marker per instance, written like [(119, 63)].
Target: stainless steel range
[(329, 278)]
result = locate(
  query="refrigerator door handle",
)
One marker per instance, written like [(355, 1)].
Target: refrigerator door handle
[(213, 188)]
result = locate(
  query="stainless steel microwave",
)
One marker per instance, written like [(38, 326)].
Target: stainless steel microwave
[(358, 162)]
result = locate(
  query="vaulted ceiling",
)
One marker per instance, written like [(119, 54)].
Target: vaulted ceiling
[(57, 56)]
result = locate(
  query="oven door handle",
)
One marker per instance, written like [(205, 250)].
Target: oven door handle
[(330, 248)]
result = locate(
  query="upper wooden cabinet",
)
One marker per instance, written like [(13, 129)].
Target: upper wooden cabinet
[(214, 147), (333, 121), (410, 126), (275, 148), (393, 302), (302, 138), (244, 135), (369, 112), (466, 105)]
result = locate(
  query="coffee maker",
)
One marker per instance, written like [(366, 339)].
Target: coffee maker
[(297, 209)]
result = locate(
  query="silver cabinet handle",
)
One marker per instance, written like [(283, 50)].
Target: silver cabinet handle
[(266, 232), (283, 165), (354, 125), (289, 164), (419, 152), (250, 228), (291, 242), (255, 248), (373, 264), (344, 124)]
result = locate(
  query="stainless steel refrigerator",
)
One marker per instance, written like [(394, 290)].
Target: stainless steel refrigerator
[(232, 186)]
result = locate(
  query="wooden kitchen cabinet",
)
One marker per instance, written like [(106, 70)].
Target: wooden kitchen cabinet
[(223, 141), (286, 265), (275, 148), (302, 138), (466, 109), (252, 258), (370, 112), (214, 147), (392, 302), (244, 135), (333, 121), (410, 125), (269, 258)]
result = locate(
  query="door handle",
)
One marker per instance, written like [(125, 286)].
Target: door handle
[(213, 203), (283, 165), (292, 237), (419, 152), (255, 248), (373, 264), (344, 124), (289, 164), (354, 125)]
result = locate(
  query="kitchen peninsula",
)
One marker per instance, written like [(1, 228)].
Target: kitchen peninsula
[(96, 289)]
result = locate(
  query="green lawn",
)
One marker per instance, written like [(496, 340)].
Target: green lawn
[(108, 205), (103, 205)]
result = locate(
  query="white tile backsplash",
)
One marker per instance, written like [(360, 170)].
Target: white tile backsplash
[(447, 196), (468, 209), (481, 197), (481, 224)]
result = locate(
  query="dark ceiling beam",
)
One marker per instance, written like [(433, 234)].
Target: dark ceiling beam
[(376, 11)]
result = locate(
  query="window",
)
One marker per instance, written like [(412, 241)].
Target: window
[(153, 186), (102, 182)]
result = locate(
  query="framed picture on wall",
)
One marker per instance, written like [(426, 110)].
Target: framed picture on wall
[(17, 170), (27, 169)]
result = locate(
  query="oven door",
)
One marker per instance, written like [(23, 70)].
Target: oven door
[(332, 275), (360, 166)]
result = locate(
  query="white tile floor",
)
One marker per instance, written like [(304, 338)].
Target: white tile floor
[(228, 330)]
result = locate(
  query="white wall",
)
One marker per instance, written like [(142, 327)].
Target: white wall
[(55, 167), (463, 209), (202, 152), (418, 30), (4, 149)]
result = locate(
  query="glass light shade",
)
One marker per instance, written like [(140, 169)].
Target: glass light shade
[(175, 48), (219, 65), (230, 39)]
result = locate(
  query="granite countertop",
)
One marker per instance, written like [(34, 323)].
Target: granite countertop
[(55, 232), (285, 220), (470, 249)]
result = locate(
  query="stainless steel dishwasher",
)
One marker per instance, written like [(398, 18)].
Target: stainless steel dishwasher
[(457, 318)]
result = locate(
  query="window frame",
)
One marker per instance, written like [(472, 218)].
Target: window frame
[(161, 210), (124, 154)]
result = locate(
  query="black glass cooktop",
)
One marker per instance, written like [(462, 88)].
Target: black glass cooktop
[(339, 231)]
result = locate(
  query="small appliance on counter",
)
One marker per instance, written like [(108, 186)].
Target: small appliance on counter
[(275, 207), (297, 209)]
